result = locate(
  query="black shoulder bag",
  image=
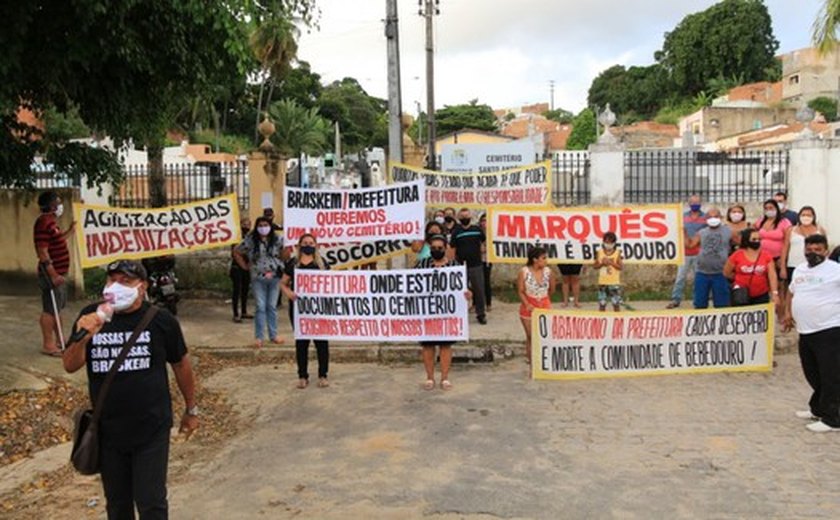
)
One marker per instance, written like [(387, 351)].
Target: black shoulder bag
[(85, 454), (741, 295)]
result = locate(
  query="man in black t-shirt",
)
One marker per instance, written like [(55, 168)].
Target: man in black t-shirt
[(467, 239), (137, 414)]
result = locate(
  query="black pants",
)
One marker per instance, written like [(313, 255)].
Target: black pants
[(241, 284), (136, 476), (488, 291), (322, 347), (820, 356), (475, 277)]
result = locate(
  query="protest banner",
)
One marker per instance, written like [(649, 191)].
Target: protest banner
[(362, 215), (105, 234), (583, 345), (646, 234), (347, 256), (487, 157), (525, 186), (399, 305)]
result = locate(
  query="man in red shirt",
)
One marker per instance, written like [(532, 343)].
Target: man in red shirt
[(53, 265)]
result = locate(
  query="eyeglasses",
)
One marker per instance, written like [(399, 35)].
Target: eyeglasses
[(127, 267)]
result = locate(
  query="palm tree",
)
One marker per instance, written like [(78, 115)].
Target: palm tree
[(299, 130), (274, 44), (827, 26)]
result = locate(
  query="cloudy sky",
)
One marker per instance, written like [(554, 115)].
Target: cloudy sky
[(504, 52)]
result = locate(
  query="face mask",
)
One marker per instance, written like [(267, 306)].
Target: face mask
[(307, 250), (437, 254), (713, 222), (264, 230), (736, 217), (781, 205), (121, 296), (806, 221), (245, 231), (814, 259), (465, 221), (608, 247), (440, 220), (770, 213), (448, 219), (695, 207), (59, 210), (754, 244)]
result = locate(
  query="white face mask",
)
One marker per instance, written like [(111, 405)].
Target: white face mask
[(264, 230), (781, 205), (736, 217), (770, 213), (806, 220), (121, 296), (59, 210), (439, 220), (713, 222)]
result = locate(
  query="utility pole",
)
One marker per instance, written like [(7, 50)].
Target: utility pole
[(419, 124), (395, 151), (551, 88), (429, 11)]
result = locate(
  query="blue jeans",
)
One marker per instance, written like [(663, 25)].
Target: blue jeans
[(717, 284), (265, 293), (689, 265)]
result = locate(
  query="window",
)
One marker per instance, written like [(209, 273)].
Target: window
[(757, 124), (794, 80)]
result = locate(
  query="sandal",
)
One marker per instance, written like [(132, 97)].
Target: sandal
[(445, 385), (323, 382), (237, 319), (278, 340), (258, 343), (302, 383), (52, 353), (429, 384)]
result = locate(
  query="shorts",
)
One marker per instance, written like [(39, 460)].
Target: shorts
[(433, 344), (544, 303), (570, 269), (46, 297), (609, 292)]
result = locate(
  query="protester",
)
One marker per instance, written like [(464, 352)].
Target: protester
[(609, 259), (736, 221), (535, 285), (781, 200), (137, 414), (571, 284), (421, 247), (467, 240), (278, 230), (307, 257), (240, 278), (260, 253), (449, 222), (793, 252), (693, 221), (754, 269), (437, 259), (269, 214), (814, 308), (488, 267), (439, 217), (772, 229), (714, 251), (53, 266)]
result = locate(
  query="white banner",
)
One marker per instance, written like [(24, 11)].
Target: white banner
[(581, 345), (400, 305), (367, 214), (345, 256), (486, 157), (526, 186), (646, 234)]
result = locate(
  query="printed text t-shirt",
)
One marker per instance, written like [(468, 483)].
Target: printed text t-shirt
[(816, 297)]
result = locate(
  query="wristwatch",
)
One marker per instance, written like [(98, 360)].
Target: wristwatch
[(194, 411)]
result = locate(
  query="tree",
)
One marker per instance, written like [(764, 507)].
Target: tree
[(274, 43), (583, 131), (559, 115), (826, 26), (826, 106), (730, 38), (458, 117), (298, 129), (129, 67), (360, 116), (634, 93)]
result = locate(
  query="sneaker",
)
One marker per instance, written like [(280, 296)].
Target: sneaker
[(673, 305), (482, 320), (806, 414), (821, 427)]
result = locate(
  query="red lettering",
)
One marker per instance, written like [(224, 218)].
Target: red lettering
[(512, 226), (96, 245), (579, 228), (556, 226), (536, 228), (655, 224), (599, 228), (630, 225), (175, 238)]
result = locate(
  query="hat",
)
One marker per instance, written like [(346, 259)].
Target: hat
[(131, 268)]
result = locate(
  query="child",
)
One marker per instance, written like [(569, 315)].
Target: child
[(609, 279)]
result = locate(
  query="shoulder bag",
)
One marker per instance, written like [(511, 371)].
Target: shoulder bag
[(85, 453), (741, 295)]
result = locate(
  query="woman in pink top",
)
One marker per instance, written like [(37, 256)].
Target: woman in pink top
[(771, 228)]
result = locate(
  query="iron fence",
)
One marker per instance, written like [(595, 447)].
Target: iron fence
[(570, 178), (185, 183), (719, 177)]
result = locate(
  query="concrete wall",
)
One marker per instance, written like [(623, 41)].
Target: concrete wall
[(267, 174), (814, 181), (18, 260), (806, 75)]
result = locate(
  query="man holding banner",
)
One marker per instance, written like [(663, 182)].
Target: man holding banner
[(467, 239)]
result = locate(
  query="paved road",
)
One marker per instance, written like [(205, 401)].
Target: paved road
[(375, 445)]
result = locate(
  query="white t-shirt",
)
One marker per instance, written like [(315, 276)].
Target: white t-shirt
[(816, 297)]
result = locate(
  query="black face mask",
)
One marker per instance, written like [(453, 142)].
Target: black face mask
[(448, 219), (465, 221), (245, 231), (754, 244), (814, 259), (307, 250), (437, 254)]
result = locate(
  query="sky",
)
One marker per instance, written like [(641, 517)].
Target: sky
[(505, 52)]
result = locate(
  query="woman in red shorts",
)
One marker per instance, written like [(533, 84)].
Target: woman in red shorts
[(536, 284)]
